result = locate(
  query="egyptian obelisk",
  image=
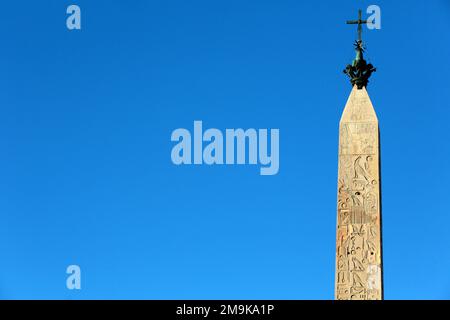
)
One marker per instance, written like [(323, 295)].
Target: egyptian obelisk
[(358, 236)]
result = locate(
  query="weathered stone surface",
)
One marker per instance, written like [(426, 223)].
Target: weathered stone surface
[(358, 236)]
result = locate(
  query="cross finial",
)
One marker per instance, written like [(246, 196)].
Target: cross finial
[(359, 71), (359, 22)]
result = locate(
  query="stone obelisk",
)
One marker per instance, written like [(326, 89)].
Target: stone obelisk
[(358, 236)]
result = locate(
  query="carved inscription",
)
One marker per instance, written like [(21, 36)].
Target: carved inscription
[(358, 243)]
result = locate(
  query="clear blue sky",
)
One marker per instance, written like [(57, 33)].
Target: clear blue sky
[(85, 171)]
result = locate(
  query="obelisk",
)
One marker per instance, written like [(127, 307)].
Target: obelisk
[(358, 236)]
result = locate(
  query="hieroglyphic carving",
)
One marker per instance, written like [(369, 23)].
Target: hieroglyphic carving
[(358, 243)]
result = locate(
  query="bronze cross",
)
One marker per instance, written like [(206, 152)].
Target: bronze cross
[(359, 22)]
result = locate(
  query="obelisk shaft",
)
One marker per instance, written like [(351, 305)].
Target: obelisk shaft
[(358, 243)]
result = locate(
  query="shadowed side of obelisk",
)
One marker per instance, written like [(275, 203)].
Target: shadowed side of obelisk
[(358, 243)]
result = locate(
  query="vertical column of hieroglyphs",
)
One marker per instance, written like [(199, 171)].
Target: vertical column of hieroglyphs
[(358, 243)]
